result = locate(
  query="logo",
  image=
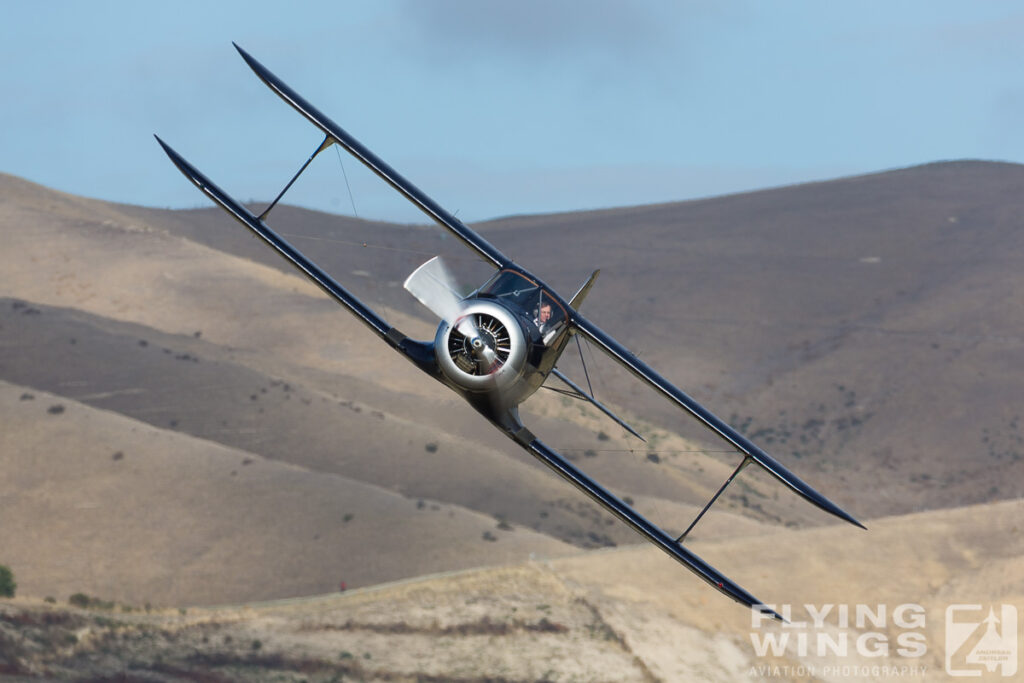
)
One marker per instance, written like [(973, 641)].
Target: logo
[(976, 642), (872, 642)]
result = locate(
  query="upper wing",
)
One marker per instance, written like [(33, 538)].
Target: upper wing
[(375, 164), (621, 354), (418, 352)]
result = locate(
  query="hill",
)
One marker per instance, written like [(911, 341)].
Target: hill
[(860, 329), (584, 617), (823, 318)]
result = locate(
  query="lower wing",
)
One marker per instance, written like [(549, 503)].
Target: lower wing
[(420, 353), (634, 519)]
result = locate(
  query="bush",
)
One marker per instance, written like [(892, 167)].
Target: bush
[(80, 600), (7, 584), (87, 602)]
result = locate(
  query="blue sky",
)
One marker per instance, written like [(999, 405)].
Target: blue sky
[(498, 108)]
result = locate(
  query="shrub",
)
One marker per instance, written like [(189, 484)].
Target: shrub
[(87, 602), (7, 584)]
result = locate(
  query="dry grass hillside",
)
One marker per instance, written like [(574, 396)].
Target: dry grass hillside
[(823, 318), (188, 423), (104, 313), (585, 617), (99, 503)]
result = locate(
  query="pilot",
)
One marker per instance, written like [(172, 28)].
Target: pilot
[(543, 316), (548, 328)]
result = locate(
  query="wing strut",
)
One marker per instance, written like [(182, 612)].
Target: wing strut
[(427, 205), (634, 519), (328, 141), (746, 461), (621, 354), (420, 353)]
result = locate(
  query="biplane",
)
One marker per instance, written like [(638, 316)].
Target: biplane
[(502, 342)]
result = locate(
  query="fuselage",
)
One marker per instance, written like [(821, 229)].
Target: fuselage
[(508, 336)]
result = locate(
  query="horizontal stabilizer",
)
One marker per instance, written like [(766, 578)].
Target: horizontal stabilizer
[(600, 406)]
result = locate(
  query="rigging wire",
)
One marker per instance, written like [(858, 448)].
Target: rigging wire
[(349, 187), (584, 363), (659, 515), (848, 328), (675, 451)]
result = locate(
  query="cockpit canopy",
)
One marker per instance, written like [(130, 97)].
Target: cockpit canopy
[(526, 298)]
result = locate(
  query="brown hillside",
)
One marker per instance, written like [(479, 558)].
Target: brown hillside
[(829, 320), (863, 330), (586, 617)]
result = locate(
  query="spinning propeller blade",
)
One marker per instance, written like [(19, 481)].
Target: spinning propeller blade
[(433, 286)]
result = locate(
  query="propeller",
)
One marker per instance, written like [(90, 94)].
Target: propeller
[(433, 286)]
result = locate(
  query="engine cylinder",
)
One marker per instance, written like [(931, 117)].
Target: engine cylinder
[(483, 349)]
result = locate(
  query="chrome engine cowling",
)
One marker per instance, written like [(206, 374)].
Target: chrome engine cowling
[(487, 353)]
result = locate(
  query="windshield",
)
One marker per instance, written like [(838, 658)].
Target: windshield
[(522, 294)]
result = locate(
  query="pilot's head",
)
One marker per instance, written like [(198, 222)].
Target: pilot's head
[(544, 314)]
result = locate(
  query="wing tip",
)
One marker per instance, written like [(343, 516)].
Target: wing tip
[(186, 168), (261, 71), (174, 156), (744, 598), (828, 506), (801, 487), (765, 609)]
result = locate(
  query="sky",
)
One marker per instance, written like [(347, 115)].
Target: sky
[(499, 108)]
